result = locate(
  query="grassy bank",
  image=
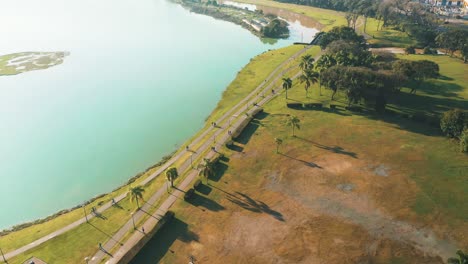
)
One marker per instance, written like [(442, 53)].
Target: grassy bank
[(248, 78), (365, 187)]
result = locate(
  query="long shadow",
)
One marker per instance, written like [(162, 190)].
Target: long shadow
[(162, 241), (334, 149), (439, 89), (247, 133), (117, 205), (141, 209), (108, 235), (252, 205), (202, 201), (99, 215), (307, 163), (235, 147)]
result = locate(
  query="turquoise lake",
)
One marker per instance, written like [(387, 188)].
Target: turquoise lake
[(140, 79)]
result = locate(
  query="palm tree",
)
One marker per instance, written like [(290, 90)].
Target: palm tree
[(208, 169), (278, 141), (326, 61), (462, 258), (171, 175), (293, 122), (306, 62), (136, 193), (308, 77), (287, 84)]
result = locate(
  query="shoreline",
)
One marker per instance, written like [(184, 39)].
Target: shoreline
[(216, 14), (164, 159)]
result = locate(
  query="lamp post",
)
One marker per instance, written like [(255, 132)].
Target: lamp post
[(133, 221), (4, 259), (86, 260), (85, 215)]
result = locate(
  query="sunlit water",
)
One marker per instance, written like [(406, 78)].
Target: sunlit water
[(141, 78)]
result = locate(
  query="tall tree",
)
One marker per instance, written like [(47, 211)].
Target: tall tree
[(308, 77), (208, 169), (287, 84), (278, 142), (171, 175), (294, 123), (136, 193)]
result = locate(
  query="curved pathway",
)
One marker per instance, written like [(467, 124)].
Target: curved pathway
[(241, 106)]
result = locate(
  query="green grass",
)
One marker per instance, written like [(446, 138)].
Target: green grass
[(441, 174), (387, 37)]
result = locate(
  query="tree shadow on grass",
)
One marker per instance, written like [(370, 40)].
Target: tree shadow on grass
[(252, 205), (247, 133), (235, 147), (307, 163), (198, 200), (220, 169), (105, 233), (334, 149), (160, 244), (204, 189)]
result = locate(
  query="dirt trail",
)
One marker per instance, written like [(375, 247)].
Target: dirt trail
[(360, 210)]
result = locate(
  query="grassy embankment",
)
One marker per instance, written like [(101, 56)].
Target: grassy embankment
[(248, 78), (364, 187)]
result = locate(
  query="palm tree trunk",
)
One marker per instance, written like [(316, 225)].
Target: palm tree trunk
[(365, 23)]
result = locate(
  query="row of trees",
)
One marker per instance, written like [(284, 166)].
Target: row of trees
[(348, 66), (207, 170), (453, 40)]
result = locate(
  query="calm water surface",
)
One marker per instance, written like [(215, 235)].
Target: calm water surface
[(141, 78)]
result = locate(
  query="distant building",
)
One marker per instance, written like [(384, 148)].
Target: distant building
[(449, 3)]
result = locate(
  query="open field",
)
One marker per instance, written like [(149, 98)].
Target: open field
[(349, 186), (386, 37)]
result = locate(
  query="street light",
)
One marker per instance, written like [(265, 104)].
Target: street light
[(191, 160), (85, 215), (87, 260), (4, 259), (133, 221)]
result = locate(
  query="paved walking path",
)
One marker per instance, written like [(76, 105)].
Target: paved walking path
[(222, 122)]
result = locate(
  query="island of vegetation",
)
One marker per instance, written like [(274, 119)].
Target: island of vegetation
[(260, 24), (16, 63)]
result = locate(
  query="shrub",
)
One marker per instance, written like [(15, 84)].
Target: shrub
[(453, 122), (429, 51), (464, 141), (410, 50), (189, 194)]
